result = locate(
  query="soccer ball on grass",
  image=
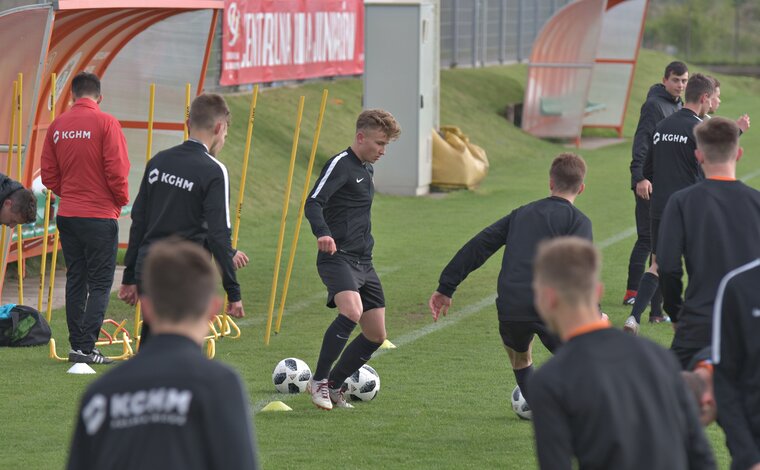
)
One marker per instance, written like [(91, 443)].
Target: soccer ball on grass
[(363, 384), (519, 405), (291, 375)]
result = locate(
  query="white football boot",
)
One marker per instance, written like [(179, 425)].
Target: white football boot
[(320, 394)]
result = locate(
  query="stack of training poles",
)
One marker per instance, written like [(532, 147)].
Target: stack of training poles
[(221, 326)]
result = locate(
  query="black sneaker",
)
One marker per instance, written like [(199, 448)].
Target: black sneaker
[(95, 357)]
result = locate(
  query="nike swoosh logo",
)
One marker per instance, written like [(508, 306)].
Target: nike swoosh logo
[(756, 312), (359, 180), (341, 337)]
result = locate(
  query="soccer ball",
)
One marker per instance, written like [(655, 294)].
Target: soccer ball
[(520, 406), (291, 375), (363, 384)]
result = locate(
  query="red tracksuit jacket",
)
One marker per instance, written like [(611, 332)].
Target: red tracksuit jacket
[(85, 162)]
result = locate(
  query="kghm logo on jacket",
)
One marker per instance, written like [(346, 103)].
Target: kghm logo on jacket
[(678, 138), (173, 180), (126, 410), (57, 135)]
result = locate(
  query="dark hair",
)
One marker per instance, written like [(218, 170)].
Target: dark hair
[(718, 139), (85, 84), (697, 86), (567, 172), (571, 265), (379, 119), (24, 203), (716, 82), (179, 279), (206, 110), (675, 68)]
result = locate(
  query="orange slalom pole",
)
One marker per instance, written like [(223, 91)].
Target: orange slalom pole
[(301, 209), (285, 205), (48, 198), (20, 235)]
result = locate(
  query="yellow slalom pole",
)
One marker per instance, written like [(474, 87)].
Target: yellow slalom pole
[(19, 236), (12, 138), (241, 191), (286, 202), (48, 196), (53, 261), (299, 219), (187, 109), (148, 150)]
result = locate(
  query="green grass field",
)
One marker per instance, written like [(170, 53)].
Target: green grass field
[(444, 398)]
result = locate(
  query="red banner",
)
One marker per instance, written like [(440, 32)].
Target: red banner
[(271, 40)]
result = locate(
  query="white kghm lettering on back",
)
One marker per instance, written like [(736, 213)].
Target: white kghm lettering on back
[(170, 179), (74, 135), (94, 413), (158, 405)]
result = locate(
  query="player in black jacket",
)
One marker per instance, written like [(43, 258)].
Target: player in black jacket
[(169, 406), (520, 232), (591, 403), (185, 191), (673, 166), (338, 210), (715, 227), (736, 356), (662, 100)]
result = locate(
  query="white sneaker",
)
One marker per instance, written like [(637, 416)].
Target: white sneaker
[(338, 398), (320, 394), (631, 326)]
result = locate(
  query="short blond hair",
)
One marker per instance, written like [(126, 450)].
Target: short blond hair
[(717, 139), (571, 265), (378, 119)]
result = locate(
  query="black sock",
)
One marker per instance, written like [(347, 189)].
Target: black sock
[(647, 287), (356, 355), (522, 376), (656, 310), (335, 340)]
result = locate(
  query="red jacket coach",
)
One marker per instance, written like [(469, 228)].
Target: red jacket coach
[(85, 162)]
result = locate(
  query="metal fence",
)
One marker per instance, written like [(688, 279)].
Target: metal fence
[(475, 33)]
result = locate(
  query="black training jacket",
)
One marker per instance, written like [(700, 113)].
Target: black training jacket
[(167, 407), (340, 204), (592, 402), (658, 105), (185, 191), (736, 357), (671, 158), (715, 227), (521, 231)]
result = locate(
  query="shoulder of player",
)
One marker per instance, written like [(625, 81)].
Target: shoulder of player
[(745, 277), (339, 161)]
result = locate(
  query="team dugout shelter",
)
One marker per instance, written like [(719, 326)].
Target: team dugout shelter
[(581, 68), (129, 45)]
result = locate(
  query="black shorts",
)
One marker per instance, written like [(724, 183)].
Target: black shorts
[(343, 273), (655, 233), (517, 335)]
